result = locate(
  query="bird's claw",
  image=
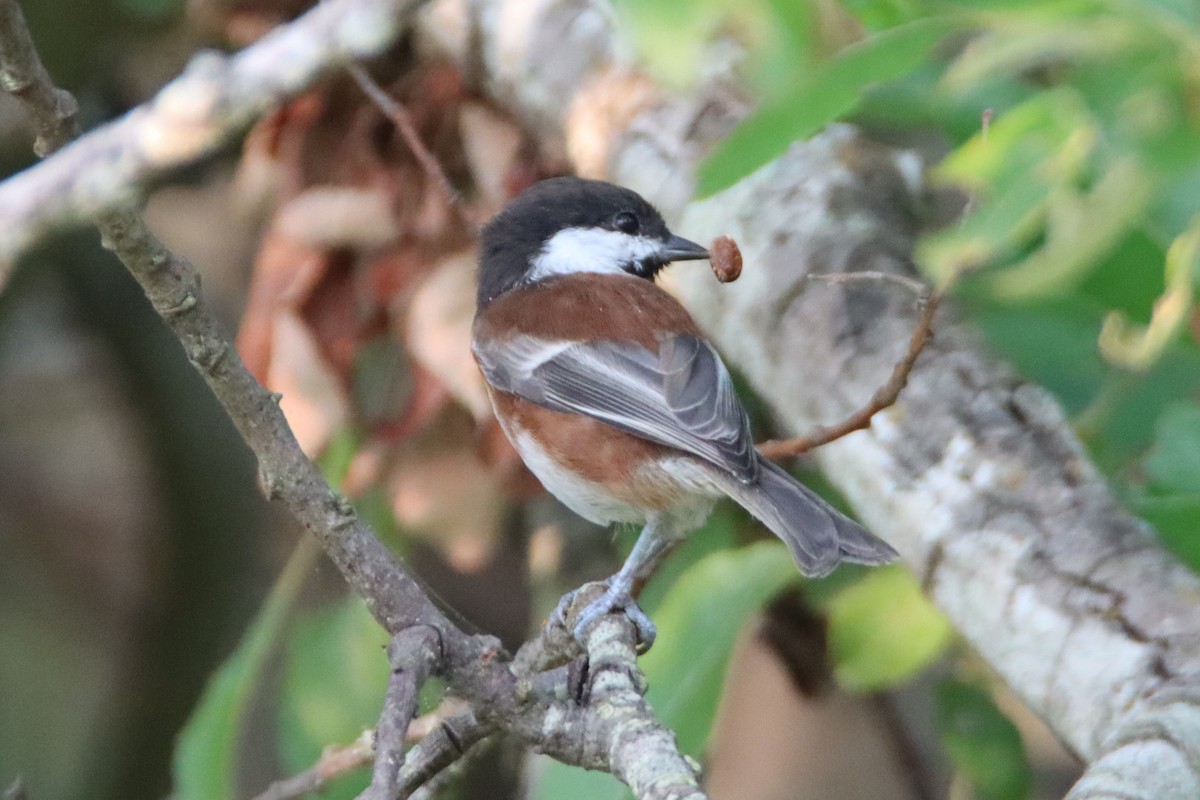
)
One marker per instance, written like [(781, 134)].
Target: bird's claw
[(616, 598)]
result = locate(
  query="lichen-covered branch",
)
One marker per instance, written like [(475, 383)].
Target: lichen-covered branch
[(603, 721), (215, 98)]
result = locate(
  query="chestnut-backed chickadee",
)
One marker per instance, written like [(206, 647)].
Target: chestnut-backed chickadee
[(611, 394)]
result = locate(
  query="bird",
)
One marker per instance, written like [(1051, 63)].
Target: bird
[(613, 397)]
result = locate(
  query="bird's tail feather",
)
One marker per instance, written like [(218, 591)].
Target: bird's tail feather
[(818, 535)]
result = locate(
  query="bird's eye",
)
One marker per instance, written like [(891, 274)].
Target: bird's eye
[(626, 222)]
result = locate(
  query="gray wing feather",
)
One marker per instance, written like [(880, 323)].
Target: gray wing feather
[(681, 396)]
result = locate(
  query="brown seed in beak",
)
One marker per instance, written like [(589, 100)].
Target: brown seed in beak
[(726, 259)]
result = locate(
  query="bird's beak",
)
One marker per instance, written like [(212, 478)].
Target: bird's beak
[(680, 249)]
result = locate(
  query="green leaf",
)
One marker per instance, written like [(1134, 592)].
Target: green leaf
[(1019, 44), (882, 630), (557, 781), (338, 455), (719, 533), (795, 21), (1177, 520), (1174, 462), (1082, 226), (670, 37), (1029, 155), (829, 92), (1138, 348), (1184, 12), (982, 743), (1114, 285), (205, 759), (1054, 344), (880, 14), (697, 626), (334, 681)]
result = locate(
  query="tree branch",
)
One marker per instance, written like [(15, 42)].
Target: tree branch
[(885, 396), (54, 111), (334, 762), (603, 721), (444, 746), (214, 99), (412, 654)]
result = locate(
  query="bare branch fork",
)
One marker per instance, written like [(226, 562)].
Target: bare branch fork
[(601, 722), (887, 394)]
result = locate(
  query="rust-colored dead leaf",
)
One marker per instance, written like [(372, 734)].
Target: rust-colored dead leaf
[(438, 331), (363, 256), (339, 217), (284, 274), (313, 401), (492, 146), (443, 491), (600, 112)]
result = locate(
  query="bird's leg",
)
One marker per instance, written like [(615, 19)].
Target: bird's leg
[(648, 552)]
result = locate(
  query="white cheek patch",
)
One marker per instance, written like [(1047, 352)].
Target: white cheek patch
[(591, 250)]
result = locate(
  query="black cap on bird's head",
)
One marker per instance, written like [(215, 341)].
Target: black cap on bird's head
[(562, 226)]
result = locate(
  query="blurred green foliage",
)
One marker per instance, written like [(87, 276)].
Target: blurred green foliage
[(206, 755), (981, 742), (882, 630), (335, 676)]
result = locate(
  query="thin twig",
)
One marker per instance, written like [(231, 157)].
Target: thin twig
[(408, 132), (871, 276), (16, 790), (359, 754), (22, 74), (333, 763), (412, 654), (444, 746), (888, 393)]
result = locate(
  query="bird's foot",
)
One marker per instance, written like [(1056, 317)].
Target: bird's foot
[(617, 597)]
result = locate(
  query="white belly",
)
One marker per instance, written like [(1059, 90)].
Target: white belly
[(595, 503), (586, 498)]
